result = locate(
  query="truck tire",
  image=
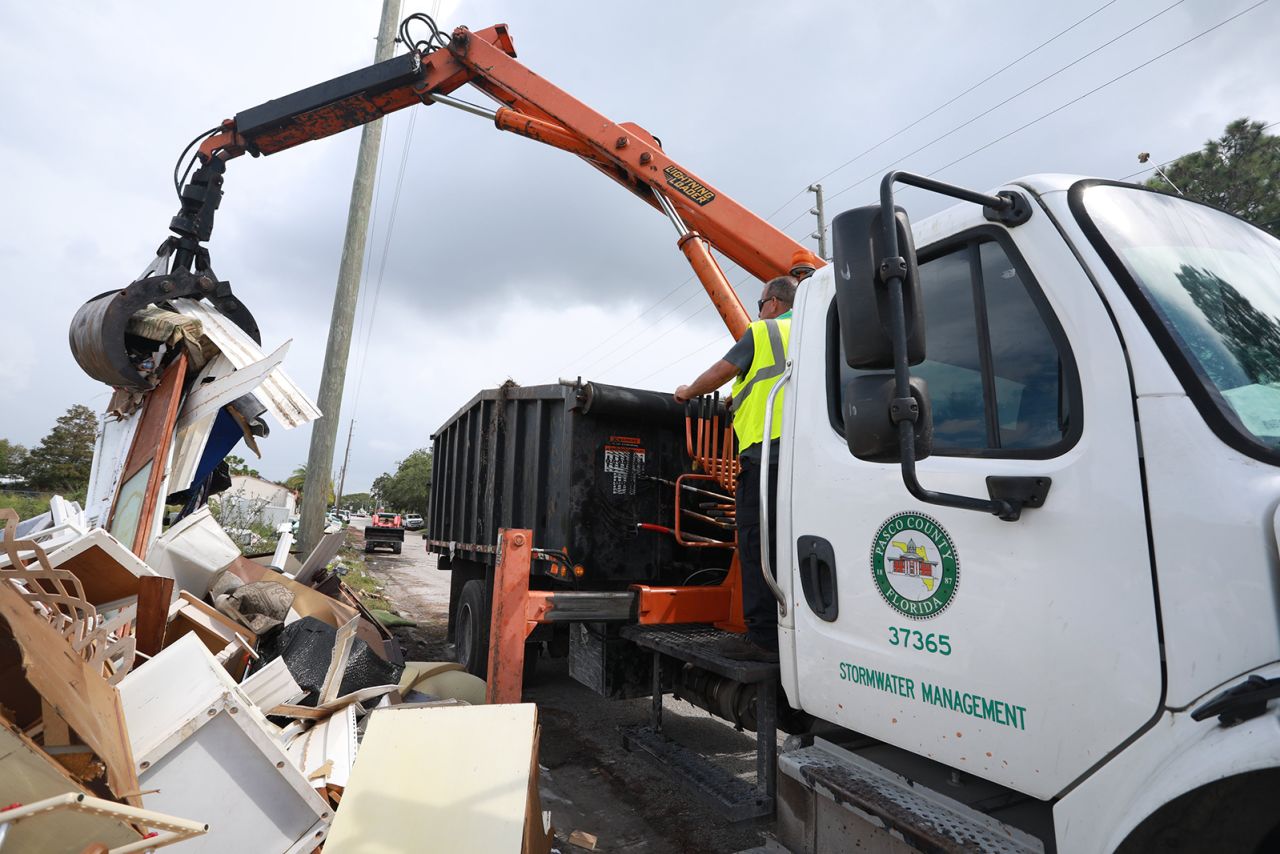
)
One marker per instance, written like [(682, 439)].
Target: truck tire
[(471, 630), (368, 548), (395, 549)]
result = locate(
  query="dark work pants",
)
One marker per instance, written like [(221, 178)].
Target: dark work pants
[(759, 608)]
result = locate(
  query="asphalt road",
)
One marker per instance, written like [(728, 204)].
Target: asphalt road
[(589, 782)]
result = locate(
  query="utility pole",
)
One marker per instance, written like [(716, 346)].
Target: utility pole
[(342, 478), (820, 213), (324, 431)]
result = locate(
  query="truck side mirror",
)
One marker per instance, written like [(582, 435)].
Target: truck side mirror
[(862, 300), (868, 426)]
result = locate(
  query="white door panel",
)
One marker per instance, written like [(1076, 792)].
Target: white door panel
[(1049, 621)]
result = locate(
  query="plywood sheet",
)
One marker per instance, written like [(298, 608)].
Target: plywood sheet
[(449, 778)]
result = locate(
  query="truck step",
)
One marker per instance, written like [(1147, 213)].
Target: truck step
[(832, 800)]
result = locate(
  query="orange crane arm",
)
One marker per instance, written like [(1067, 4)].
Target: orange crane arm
[(532, 107)]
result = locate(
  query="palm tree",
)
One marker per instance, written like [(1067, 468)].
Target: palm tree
[(299, 478)]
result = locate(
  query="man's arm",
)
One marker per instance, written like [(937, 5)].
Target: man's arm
[(710, 380)]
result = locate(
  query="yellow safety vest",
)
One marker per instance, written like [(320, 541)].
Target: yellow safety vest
[(751, 390)]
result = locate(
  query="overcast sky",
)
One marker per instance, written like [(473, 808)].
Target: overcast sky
[(507, 259)]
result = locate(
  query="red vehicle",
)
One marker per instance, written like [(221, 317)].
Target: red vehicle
[(384, 529)]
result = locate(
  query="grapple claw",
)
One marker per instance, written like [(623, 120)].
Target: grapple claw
[(98, 330)]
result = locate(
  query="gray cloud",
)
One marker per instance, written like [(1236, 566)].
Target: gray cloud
[(508, 259)]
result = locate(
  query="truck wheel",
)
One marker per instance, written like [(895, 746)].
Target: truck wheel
[(395, 549), (471, 630), (368, 548)]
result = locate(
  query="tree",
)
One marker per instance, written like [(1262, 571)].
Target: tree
[(410, 487), (13, 458), (63, 459), (299, 478), (355, 500), (237, 465), (1239, 173)]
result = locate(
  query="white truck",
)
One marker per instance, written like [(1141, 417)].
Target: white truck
[(1092, 671)]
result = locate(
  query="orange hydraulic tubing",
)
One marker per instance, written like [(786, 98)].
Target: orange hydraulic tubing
[(722, 294), (544, 132)]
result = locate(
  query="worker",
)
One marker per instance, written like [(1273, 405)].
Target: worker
[(754, 363)]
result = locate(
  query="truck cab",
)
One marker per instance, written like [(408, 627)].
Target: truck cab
[(1118, 354)]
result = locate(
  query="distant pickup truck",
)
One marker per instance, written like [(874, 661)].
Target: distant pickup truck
[(384, 529), (413, 522)]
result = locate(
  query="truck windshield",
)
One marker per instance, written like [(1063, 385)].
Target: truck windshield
[(1213, 283)]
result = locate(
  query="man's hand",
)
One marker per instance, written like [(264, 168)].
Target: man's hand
[(710, 380)]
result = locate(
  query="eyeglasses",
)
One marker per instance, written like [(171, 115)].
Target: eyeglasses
[(760, 303)]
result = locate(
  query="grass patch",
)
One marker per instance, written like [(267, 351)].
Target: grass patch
[(389, 619)]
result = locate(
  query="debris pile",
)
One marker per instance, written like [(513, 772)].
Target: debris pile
[(158, 687)]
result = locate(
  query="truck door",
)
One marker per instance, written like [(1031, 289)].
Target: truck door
[(1022, 652)]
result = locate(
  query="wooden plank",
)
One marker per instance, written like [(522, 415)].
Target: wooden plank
[(437, 779), (56, 732), (154, 593)]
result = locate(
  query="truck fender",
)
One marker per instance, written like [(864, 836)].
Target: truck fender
[(1176, 756)]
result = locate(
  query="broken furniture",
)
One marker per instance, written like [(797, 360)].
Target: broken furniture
[(334, 667), (446, 680), (107, 570), (227, 640), (210, 753), (165, 829), (193, 551), (134, 518), (68, 653), (675, 646)]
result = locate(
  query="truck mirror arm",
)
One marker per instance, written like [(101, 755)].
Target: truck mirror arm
[(1008, 495)]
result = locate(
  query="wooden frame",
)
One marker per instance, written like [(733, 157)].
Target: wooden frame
[(143, 474)]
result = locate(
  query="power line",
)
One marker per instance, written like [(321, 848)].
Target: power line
[(675, 308), (651, 325), (717, 340), (386, 251), (889, 138), (626, 325), (363, 342), (990, 110), (951, 101), (1174, 160), (665, 333), (1102, 86)]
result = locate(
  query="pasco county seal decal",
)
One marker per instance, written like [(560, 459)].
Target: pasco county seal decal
[(915, 565)]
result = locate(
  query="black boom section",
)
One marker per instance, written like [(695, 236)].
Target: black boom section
[(331, 107)]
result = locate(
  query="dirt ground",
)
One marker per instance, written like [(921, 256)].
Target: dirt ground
[(589, 782)]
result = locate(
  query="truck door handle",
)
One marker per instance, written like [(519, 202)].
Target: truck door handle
[(817, 561)]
